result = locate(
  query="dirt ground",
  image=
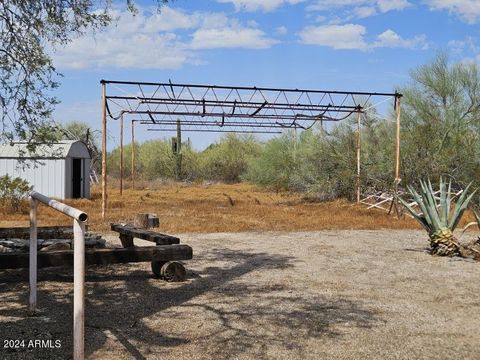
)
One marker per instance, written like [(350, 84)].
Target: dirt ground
[(269, 295)]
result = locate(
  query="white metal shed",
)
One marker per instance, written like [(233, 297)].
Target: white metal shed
[(60, 171)]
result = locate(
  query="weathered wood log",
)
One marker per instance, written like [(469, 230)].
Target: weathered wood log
[(162, 253), (157, 238), (157, 267), (126, 240), (146, 221), (44, 232), (173, 271)]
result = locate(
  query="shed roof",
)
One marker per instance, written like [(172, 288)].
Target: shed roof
[(59, 150)]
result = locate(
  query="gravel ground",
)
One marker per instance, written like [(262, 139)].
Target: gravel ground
[(308, 295)]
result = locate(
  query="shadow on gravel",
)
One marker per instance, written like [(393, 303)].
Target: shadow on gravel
[(251, 316)]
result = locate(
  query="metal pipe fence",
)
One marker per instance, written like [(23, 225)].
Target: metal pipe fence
[(79, 219)]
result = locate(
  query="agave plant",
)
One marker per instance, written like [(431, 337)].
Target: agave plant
[(437, 215)]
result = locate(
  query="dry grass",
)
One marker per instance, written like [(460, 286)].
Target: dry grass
[(220, 208)]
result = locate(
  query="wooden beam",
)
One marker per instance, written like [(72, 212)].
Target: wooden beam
[(99, 256), (159, 239)]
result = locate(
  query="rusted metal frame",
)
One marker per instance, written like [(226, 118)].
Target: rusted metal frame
[(333, 92), (219, 130), (244, 116), (207, 123)]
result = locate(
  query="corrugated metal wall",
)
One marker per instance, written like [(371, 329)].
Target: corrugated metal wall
[(47, 178)]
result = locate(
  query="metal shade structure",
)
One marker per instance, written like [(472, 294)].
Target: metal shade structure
[(238, 109)]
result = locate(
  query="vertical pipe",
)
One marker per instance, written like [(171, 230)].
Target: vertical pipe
[(359, 148), (133, 155), (104, 150), (78, 289), (295, 143), (397, 144), (121, 154), (178, 154), (32, 303)]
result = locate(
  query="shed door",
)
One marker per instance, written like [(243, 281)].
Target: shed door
[(77, 178)]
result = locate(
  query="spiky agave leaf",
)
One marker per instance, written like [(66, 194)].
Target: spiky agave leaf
[(423, 207), (460, 207), (419, 217), (443, 202), (435, 216), (431, 205)]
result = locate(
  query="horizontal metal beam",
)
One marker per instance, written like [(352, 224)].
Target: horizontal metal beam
[(219, 131), (241, 116), (253, 88), (238, 104)]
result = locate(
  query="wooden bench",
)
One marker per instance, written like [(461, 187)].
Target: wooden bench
[(161, 253), (128, 233), (166, 267), (164, 256)]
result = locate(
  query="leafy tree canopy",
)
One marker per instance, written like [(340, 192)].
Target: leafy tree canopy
[(27, 73)]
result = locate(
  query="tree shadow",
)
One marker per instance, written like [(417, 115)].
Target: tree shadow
[(124, 302)]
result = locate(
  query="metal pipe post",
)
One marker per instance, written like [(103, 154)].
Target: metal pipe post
[(121, 155), (133, 155), (32, 303), (104, 150), (359, 149), (397, 143), (78, 289)]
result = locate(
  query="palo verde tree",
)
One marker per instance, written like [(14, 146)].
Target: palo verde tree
[(27, 73), (441, 122)]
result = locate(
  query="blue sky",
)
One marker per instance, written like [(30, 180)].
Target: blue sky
[(363, 45)]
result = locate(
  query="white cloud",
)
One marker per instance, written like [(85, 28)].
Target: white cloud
[(165, 40), (359, 8), (349, 36), (391, 39), (392, 5), (281, 30), (365, 11), (469, 44), (255, 5), (469, 10), (232, 36), (352, 36)]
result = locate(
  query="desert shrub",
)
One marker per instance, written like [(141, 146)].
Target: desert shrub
[(13, 192), (274, 167), (228, 159), (154, 160)]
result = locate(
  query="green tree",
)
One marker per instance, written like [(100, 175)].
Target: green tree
[(228, 159), (79, 130), (441, 122), (275, 165), (27, 73)]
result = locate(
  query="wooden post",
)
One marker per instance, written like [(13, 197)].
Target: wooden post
[(78, 289), (359, 148), (121, 154), (133, 155), (32, 303), (104, 150)]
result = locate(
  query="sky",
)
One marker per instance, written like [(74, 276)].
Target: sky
[(351, 45)]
